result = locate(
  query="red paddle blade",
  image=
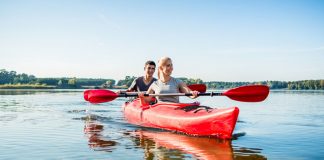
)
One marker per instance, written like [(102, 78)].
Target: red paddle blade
[(198, 87), (101, 95), (85, 95), (252, 93)]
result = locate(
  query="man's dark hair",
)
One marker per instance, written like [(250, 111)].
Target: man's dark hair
[(150, 63)]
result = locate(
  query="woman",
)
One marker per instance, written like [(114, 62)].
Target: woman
[(167, 84)]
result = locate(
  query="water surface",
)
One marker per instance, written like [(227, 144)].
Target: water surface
[(59, 124)]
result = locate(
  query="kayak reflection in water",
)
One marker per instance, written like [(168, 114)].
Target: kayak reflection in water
[(93, 131), (168, 145), (166, 84)]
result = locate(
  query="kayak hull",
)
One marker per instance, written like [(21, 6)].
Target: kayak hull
[(200, 121)]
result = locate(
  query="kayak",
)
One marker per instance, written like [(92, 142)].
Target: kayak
[(188, 118)]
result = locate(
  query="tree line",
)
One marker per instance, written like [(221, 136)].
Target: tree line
[(290, 85), (10, 79)]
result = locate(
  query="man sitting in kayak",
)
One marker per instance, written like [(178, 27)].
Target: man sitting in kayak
[(141, 84), (167, 84)]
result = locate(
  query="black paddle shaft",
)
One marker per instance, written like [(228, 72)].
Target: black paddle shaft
[(170, 94)]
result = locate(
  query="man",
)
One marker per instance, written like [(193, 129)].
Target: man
[(141, 84)]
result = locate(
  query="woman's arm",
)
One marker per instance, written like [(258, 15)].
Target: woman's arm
[(185, 89), (146, 99)]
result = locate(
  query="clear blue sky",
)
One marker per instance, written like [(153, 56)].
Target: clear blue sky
[(212, 40)]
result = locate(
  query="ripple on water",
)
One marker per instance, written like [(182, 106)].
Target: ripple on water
[(247, 153), (302, 124), (8, 117)]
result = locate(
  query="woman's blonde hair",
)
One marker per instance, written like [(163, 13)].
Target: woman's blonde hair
[(162, 61)]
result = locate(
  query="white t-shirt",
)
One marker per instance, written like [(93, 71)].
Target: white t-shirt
[(172, 86)]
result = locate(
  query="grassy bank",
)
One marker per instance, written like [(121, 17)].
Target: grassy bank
[(26, 86)]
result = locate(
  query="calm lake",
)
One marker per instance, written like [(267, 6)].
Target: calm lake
[(60, 124)]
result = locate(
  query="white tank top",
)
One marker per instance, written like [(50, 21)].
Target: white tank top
[(172, 86)]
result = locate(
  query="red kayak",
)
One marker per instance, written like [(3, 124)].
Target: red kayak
[(188, 118)]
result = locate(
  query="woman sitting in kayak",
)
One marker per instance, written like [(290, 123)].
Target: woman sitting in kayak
[(167, 84)]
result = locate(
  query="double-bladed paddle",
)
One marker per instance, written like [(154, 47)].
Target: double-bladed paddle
[(250, 93), (195, 87)]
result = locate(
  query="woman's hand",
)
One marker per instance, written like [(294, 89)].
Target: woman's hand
[(194, 94), (144, 100), (120, 92), (141, 95)]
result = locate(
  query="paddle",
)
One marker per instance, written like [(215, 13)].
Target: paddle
[(195, 87), (250, 93), (198, 87)]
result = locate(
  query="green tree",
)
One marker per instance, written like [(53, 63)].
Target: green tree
[(322, 84), (110, 83), (7, 77), (72, 82), (62, 83), (127, 81)]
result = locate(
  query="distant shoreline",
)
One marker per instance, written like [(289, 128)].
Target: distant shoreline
[(12, 80), (26, 86), (44, 86), (32, 86)]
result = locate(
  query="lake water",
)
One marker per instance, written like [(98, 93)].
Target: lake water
[(59, 124)]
